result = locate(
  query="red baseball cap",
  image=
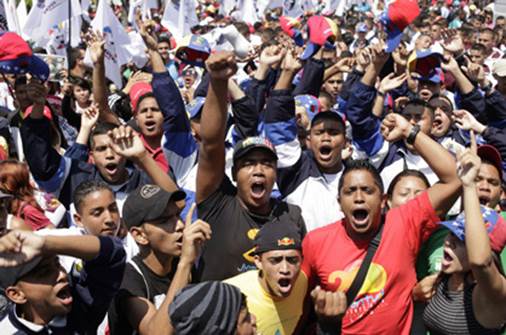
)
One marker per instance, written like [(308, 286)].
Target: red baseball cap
[(137, 91), (290, 27), (17, 57), (491, 154), (321, 30)]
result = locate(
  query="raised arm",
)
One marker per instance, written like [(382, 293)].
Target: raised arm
[(46, 164), (442, 195), (128, 144), (211, 170), (246, 117), (489, 297), (365, 126), (96, 45), (143, 315)]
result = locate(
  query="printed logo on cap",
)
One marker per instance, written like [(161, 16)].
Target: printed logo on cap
[(147, 191), (286, 241)]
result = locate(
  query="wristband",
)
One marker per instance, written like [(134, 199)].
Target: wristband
[(381, 94), (412, 134), (487, 88)]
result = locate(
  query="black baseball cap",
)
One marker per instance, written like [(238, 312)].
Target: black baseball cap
[(277, 235), (147, 203), (243, 147)]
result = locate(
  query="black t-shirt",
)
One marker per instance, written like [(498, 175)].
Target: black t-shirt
[(146, 285), (229, 252)]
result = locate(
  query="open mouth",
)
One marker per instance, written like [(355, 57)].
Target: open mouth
[(425, 94), (360, 216), (447, 259), (325, 152), (65, 295), (484, 200), (258, 190), (150, 125), (437, 122), (111, 168), (285, 285)]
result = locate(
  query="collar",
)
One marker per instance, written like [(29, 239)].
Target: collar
[(32, 328), (149, 148)]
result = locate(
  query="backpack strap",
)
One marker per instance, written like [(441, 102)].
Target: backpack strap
[(356, 285), (138, 269)]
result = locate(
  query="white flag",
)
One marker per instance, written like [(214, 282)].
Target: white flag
[(331, 7), (22, 13), (292, 8), (12, 16), (45, 14), (116, 41), (179, 17), (3, 17), (246, 11), (58, 37), (226, 6)]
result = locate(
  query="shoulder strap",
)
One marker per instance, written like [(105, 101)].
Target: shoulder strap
[(138, 269), (364, 267)]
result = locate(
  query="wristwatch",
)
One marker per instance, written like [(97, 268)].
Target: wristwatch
[(412, 134)]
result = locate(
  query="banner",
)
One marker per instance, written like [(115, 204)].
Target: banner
[(116, 42), (46, 14), (179, 17)]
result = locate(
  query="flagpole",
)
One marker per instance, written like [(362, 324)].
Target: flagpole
[(69, 46)]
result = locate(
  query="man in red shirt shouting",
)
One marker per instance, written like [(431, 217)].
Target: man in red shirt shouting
[(333, 254)]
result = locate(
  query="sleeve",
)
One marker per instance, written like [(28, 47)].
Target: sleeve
[(496, 109), (201, 90), (78, 152), (214, 204), (418, 220), (281, 130), (246, 118), (68, 112), (365, 126), (48, 168), (474, 102), (281, 127), (497, 138), (257, 90), (312, 78), (97, 283), (179, 146)]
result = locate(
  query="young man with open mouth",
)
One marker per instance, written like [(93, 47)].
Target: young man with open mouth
[(277, 289), (383, 304), (45, 298), (235, 213)]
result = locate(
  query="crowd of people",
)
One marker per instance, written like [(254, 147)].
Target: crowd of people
[(339, 172)]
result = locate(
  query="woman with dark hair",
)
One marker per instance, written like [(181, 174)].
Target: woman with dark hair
[(470, 293), (15, 180), (406, 186), (76, 100)]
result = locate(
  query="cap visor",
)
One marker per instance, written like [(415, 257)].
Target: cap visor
[(393, 40), (450, 225), (39, 68), (310, 50)]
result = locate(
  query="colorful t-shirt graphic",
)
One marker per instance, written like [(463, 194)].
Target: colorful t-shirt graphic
[(384, 304)]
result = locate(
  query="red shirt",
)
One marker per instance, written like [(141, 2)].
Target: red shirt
[(384, 304), (157, 155)]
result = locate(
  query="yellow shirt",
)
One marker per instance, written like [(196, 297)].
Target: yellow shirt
[(275, 316)]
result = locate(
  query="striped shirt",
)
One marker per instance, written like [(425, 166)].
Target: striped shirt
[(451, 312)]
